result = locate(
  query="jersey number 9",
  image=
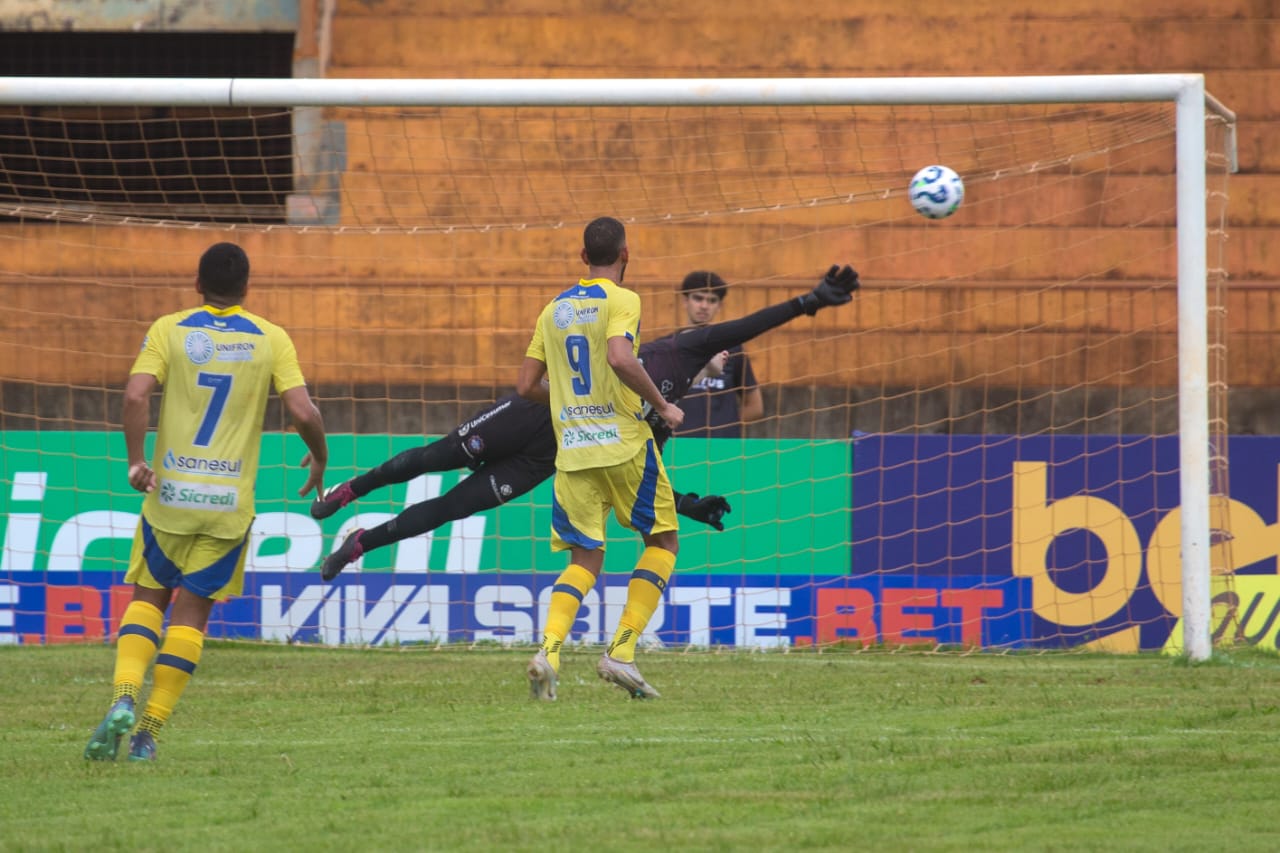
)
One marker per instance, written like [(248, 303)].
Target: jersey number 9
[(578, 349)]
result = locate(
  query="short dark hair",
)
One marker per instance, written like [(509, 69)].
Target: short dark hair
[(224, 270), (604, 239), (703, 280)]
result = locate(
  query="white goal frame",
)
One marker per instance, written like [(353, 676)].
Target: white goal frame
[(1186, 91)]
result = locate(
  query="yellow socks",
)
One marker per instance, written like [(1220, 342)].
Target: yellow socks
[(566, 597), (644, 592), (136, 643), (174, 665)]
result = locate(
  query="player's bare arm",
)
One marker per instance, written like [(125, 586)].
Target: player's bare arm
[(135, 415), (529, 383), (310, 425), (633, 375)]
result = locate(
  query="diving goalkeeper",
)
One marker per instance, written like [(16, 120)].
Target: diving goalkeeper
[(510, 446)]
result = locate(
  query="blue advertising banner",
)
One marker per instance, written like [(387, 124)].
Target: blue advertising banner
[(374, 608), (975, 541), (1088, 527)]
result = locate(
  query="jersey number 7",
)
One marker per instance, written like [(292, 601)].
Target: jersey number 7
[(221, 385)]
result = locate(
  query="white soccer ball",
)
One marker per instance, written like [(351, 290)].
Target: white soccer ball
[(936, 192)]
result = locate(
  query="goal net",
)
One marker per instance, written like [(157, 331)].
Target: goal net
[(980, 451)]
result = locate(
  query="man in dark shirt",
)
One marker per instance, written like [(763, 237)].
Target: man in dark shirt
[(510, 446), (727, 395)]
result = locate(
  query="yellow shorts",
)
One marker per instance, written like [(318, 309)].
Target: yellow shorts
[(209, 567), (637, 491)]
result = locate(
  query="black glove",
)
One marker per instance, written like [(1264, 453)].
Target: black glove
[(708, 510), (836, 288)]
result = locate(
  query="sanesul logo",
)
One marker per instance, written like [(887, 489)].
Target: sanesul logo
[(207, 466)]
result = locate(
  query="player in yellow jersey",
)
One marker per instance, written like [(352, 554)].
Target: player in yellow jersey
[(585, 344), (217, 364)]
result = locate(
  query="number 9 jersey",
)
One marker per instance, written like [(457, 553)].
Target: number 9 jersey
[(217, 367), (598, 420)]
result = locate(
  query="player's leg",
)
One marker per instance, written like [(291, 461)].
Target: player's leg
[(209, 570), (493, 485), (509, 428), (137, 639), (445, 454), (642, 500), (577, 526)]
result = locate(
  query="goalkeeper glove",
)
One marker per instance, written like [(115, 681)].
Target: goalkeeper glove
[(709, 510), (836, 288)]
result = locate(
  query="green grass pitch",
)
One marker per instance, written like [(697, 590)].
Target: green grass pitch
[(297, 748)]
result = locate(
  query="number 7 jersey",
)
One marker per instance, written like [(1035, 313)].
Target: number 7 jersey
[(598, 420), (217, 367)]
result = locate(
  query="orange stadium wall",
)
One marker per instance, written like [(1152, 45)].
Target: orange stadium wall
[(1230, 41)]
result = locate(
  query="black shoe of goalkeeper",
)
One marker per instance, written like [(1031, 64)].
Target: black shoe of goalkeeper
[(332, 501), (350, 551)]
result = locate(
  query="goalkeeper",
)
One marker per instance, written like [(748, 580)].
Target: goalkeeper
[(510, 446)]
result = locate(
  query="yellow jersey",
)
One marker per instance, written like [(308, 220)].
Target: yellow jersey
[(217, 367), (598, 420)]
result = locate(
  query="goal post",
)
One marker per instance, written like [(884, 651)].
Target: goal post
[(482, 183)]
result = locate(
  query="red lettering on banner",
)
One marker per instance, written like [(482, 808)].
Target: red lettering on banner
[(121, 595), (73, 614), (845, 614), (971, 603), (896, 621)]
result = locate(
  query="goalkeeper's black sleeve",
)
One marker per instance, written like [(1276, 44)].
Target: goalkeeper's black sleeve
[(704, 342)]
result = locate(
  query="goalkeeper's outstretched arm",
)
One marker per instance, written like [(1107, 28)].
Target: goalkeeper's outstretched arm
[(702, 343)]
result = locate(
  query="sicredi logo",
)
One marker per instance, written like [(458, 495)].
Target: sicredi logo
[(580, 436), (199, 496)]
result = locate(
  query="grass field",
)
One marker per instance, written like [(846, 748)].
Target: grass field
[(288, 748)]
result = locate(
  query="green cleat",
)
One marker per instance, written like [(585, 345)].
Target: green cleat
[(105, 742), (142, 747)]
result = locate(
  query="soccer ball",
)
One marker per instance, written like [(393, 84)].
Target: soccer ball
[(936, 192)]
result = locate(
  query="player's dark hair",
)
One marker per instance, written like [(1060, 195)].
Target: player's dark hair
[(604, 239), (224, 271), (703, 280)]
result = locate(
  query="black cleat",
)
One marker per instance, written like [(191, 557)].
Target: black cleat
[(350, 551), (332, 500)]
